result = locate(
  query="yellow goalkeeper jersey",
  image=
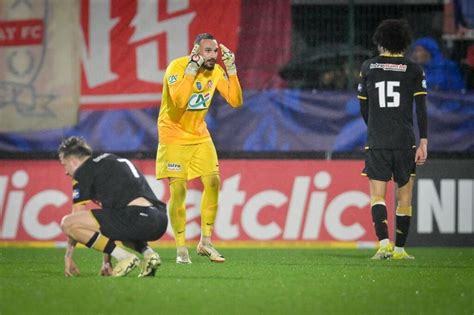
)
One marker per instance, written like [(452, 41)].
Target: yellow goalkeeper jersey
[(186, 99)]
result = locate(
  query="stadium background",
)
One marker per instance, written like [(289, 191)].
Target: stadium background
[(290, 158)]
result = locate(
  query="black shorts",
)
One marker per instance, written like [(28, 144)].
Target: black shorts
[(132, 223), (383, 164)]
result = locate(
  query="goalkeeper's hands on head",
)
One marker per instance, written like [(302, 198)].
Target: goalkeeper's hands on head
[(195, 61), (228, 58)]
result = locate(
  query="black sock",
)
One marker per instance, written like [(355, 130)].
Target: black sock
[(93, 239), (403, 225), (379, 218), (140, 246), (109, 247)]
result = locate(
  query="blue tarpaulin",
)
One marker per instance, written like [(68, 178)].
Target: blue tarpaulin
[(272, 120)]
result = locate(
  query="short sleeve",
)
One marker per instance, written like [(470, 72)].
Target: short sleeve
[(81, 188)]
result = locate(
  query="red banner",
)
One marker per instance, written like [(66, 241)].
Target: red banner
[(128, 45), (21, 32), (260, 200)]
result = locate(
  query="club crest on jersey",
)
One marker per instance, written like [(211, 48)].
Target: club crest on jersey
[(198, 101), (199, 85), (75, 194), (174, 167), (172, 79)]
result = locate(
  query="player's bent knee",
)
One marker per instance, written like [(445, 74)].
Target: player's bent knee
[(211, 181), (67, 224), (178, 184), (178, 189)]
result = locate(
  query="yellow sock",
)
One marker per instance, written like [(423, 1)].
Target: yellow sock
[(210, 196), (177, 209)]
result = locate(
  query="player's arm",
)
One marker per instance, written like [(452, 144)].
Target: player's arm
[(181, 90), (106, 269), (364, 110), (229, 87), (70, 267), (362, 95), (421, 117)]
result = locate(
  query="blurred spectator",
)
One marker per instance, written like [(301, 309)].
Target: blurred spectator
[(467, 66), (464, 16), (326, 67), (441, 73)]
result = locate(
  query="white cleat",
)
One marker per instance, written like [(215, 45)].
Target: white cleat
[(183, 257), (210, 252), (125, 266), (149, 265), (384, 252)]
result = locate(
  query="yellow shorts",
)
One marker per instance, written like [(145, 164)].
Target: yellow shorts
[(186, 161)]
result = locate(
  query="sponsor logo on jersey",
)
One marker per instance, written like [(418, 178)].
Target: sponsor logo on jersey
[(75, 194), (423, 84), (174, 167), (172, 79), (389, 67), (359, 87), (198, 101), (199, 85), (209, 84)]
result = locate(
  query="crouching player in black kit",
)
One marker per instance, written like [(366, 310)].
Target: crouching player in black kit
[(130, 211), (389, 84)]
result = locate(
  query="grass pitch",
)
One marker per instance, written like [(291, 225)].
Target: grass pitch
[(252, 281)]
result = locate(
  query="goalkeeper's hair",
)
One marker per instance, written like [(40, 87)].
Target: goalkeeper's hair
[(75, 146), (200, 37), (393, 35)]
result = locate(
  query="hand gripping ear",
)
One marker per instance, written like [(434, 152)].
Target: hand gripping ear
[(195, 61)]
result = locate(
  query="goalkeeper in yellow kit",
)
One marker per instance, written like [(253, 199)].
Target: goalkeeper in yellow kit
[(185, 149)]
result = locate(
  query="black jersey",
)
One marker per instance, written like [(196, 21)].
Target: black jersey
[(110, 181), (389, 83)]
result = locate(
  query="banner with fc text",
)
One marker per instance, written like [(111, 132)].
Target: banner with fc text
[(39, 64)]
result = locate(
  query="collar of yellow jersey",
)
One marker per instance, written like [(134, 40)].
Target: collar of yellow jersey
[(391, 55)]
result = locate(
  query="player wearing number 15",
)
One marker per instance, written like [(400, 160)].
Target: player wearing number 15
[(389, 83)]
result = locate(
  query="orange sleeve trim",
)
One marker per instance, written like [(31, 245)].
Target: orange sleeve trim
[(361, 97)]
